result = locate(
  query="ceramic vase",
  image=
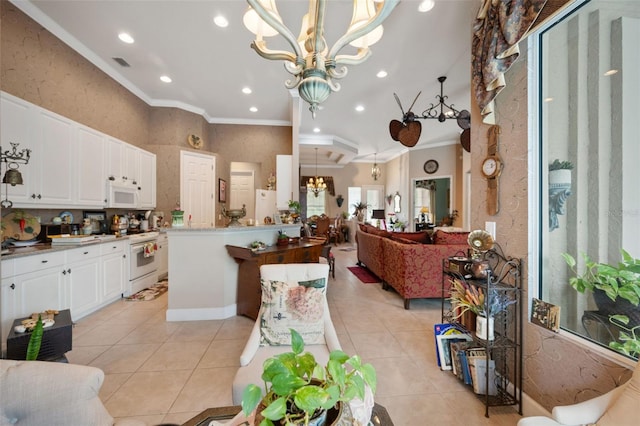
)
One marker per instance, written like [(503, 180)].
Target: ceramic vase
[(485, 327), (177, 218)]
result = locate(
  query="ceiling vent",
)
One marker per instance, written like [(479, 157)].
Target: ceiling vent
[(122, 62)]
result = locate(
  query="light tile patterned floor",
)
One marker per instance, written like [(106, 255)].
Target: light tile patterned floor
[(167, 372)]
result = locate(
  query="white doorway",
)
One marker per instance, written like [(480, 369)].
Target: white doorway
[(197, 174), (242, 187)]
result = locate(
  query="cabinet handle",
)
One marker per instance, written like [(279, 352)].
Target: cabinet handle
[(124, 178), (69, 270), (44, 261), (139, 188), (33, 196), (12, 286), (114, 247), (124, 256), (64, 272), (86, 252), (112, 178), (39, 196), (135, 183)]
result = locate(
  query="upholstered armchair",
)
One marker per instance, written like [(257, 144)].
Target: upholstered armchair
[(43, 393), (618, 407), (255, 352)]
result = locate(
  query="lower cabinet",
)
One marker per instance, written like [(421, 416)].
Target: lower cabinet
[(114, 270), (162, 256)]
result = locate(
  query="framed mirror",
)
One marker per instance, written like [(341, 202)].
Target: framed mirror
[(396, 203)]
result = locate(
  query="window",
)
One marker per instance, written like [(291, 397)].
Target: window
[(354, 196), (316, 205), (589, 103)]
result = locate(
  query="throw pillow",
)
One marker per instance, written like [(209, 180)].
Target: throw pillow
[(442, 237), (625, 410), (292, 305), (403, 240), (362, 227)]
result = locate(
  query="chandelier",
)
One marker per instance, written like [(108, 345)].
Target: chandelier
[(313, 65), (375, 170), (316, 185)]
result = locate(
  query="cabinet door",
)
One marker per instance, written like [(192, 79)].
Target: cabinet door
[(84, 283), (131, 164), (114, 159), (8, 304), (90, 171), (57, 159), (39, 291), (113, 276), (147, 181), (162, 256), (18, 126)]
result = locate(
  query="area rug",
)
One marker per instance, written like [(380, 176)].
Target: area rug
[(149, 293), (364, 274)]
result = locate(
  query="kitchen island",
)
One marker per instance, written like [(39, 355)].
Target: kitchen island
[(202, 276)]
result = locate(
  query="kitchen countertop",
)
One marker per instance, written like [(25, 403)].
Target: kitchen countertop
[(40, 248)]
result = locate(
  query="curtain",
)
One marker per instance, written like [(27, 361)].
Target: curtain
[(327, 179), (497, 30)]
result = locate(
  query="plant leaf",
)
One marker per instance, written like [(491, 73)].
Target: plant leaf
[(297, 343), (310, 398), (250, 398), (369, 376), (276, 410), (33, 348), (284, 384)]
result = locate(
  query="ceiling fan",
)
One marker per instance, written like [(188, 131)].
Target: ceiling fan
[(407, 131)]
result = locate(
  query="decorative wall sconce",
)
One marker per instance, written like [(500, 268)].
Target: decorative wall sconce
[(12, 158)]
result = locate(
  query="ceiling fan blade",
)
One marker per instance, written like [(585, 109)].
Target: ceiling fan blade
[(414, 101), (464, 119), (399, 103), (465, 139), (394, 129), (409, 134)]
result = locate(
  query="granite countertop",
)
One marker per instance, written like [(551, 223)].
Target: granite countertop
[(237, 228), (41, 248)]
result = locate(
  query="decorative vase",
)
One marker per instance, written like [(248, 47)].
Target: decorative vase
[(485, 327), (177, 218)]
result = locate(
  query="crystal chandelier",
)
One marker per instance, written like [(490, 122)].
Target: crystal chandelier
[(312, 64), (316, 185), (375, 170)]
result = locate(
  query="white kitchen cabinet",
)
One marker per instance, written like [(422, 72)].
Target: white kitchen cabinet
[(162, 256), (84, 280), (284, 187), (147, 180), (114, 270), (90, 169), (131, 164), (7, 300), (40, 290), (114, 167)]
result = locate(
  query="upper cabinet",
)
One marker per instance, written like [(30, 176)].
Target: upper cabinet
[(284, 187), (70, 163)]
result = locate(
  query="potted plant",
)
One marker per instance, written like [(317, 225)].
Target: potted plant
[(616, 289), (283, 238), (294, 206), (467, 297), (360, 208), (299, 390)]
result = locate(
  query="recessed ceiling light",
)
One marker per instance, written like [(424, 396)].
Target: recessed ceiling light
[(426, 5), (246, 90), (125, 38), (316, 130), (359, 108), (166, 79), (610, 72), (221, 21), (253, 109), (549, 99), (381, 74)]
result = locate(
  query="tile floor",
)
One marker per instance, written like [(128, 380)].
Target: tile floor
[(167, 372)]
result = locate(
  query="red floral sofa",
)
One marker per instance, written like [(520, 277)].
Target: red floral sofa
[(410, 262)]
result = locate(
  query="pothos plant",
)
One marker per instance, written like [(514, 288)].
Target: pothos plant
[(298, 388)]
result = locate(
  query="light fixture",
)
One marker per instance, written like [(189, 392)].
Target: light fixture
[(313, 65), (12, 158), (407, 131), (126, 38), (165, 79), (221, 21), (316, 185), (375, 170)]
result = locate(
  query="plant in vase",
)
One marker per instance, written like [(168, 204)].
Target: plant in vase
[(283, 238), (616, 292), (299, 391), (360, 208), (467, 297)]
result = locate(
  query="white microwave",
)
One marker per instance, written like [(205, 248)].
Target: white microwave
[(122, 195)]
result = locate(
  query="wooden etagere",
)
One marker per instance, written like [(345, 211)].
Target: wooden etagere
[(505, 350)]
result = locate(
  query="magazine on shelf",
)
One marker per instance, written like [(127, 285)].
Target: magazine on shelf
[(457, 353), (445, 334)]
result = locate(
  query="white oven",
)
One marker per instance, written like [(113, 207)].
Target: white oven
[(143, 265)]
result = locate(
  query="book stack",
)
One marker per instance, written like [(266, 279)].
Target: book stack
[(470, 366)]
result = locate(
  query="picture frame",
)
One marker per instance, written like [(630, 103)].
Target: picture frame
[(444, 348), (96, 216), (277, 219), (222, 190)]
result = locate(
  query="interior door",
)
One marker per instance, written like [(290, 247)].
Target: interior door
[(242, 191), (197, 173), (373, 196)]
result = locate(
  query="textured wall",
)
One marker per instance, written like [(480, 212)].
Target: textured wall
[(557, 371), (39, 68)]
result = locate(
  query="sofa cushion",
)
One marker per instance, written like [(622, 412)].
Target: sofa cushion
[(401, 240), (443, 237), (379, 232), (297, 305), (625, 410), (420, 237)]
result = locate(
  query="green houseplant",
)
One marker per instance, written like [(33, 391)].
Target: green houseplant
[(616, 291), (299, 389), (294, 206)]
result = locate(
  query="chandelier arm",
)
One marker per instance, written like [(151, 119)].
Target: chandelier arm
[(261, 49), (337, 73), (293, 83), (350, 36), (361, 56), (278, 26)]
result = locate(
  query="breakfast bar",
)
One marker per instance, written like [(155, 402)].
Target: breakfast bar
[(203, 277)]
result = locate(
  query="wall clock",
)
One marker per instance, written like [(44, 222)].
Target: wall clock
[(195, 141), (431, 166), (491, 169)]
